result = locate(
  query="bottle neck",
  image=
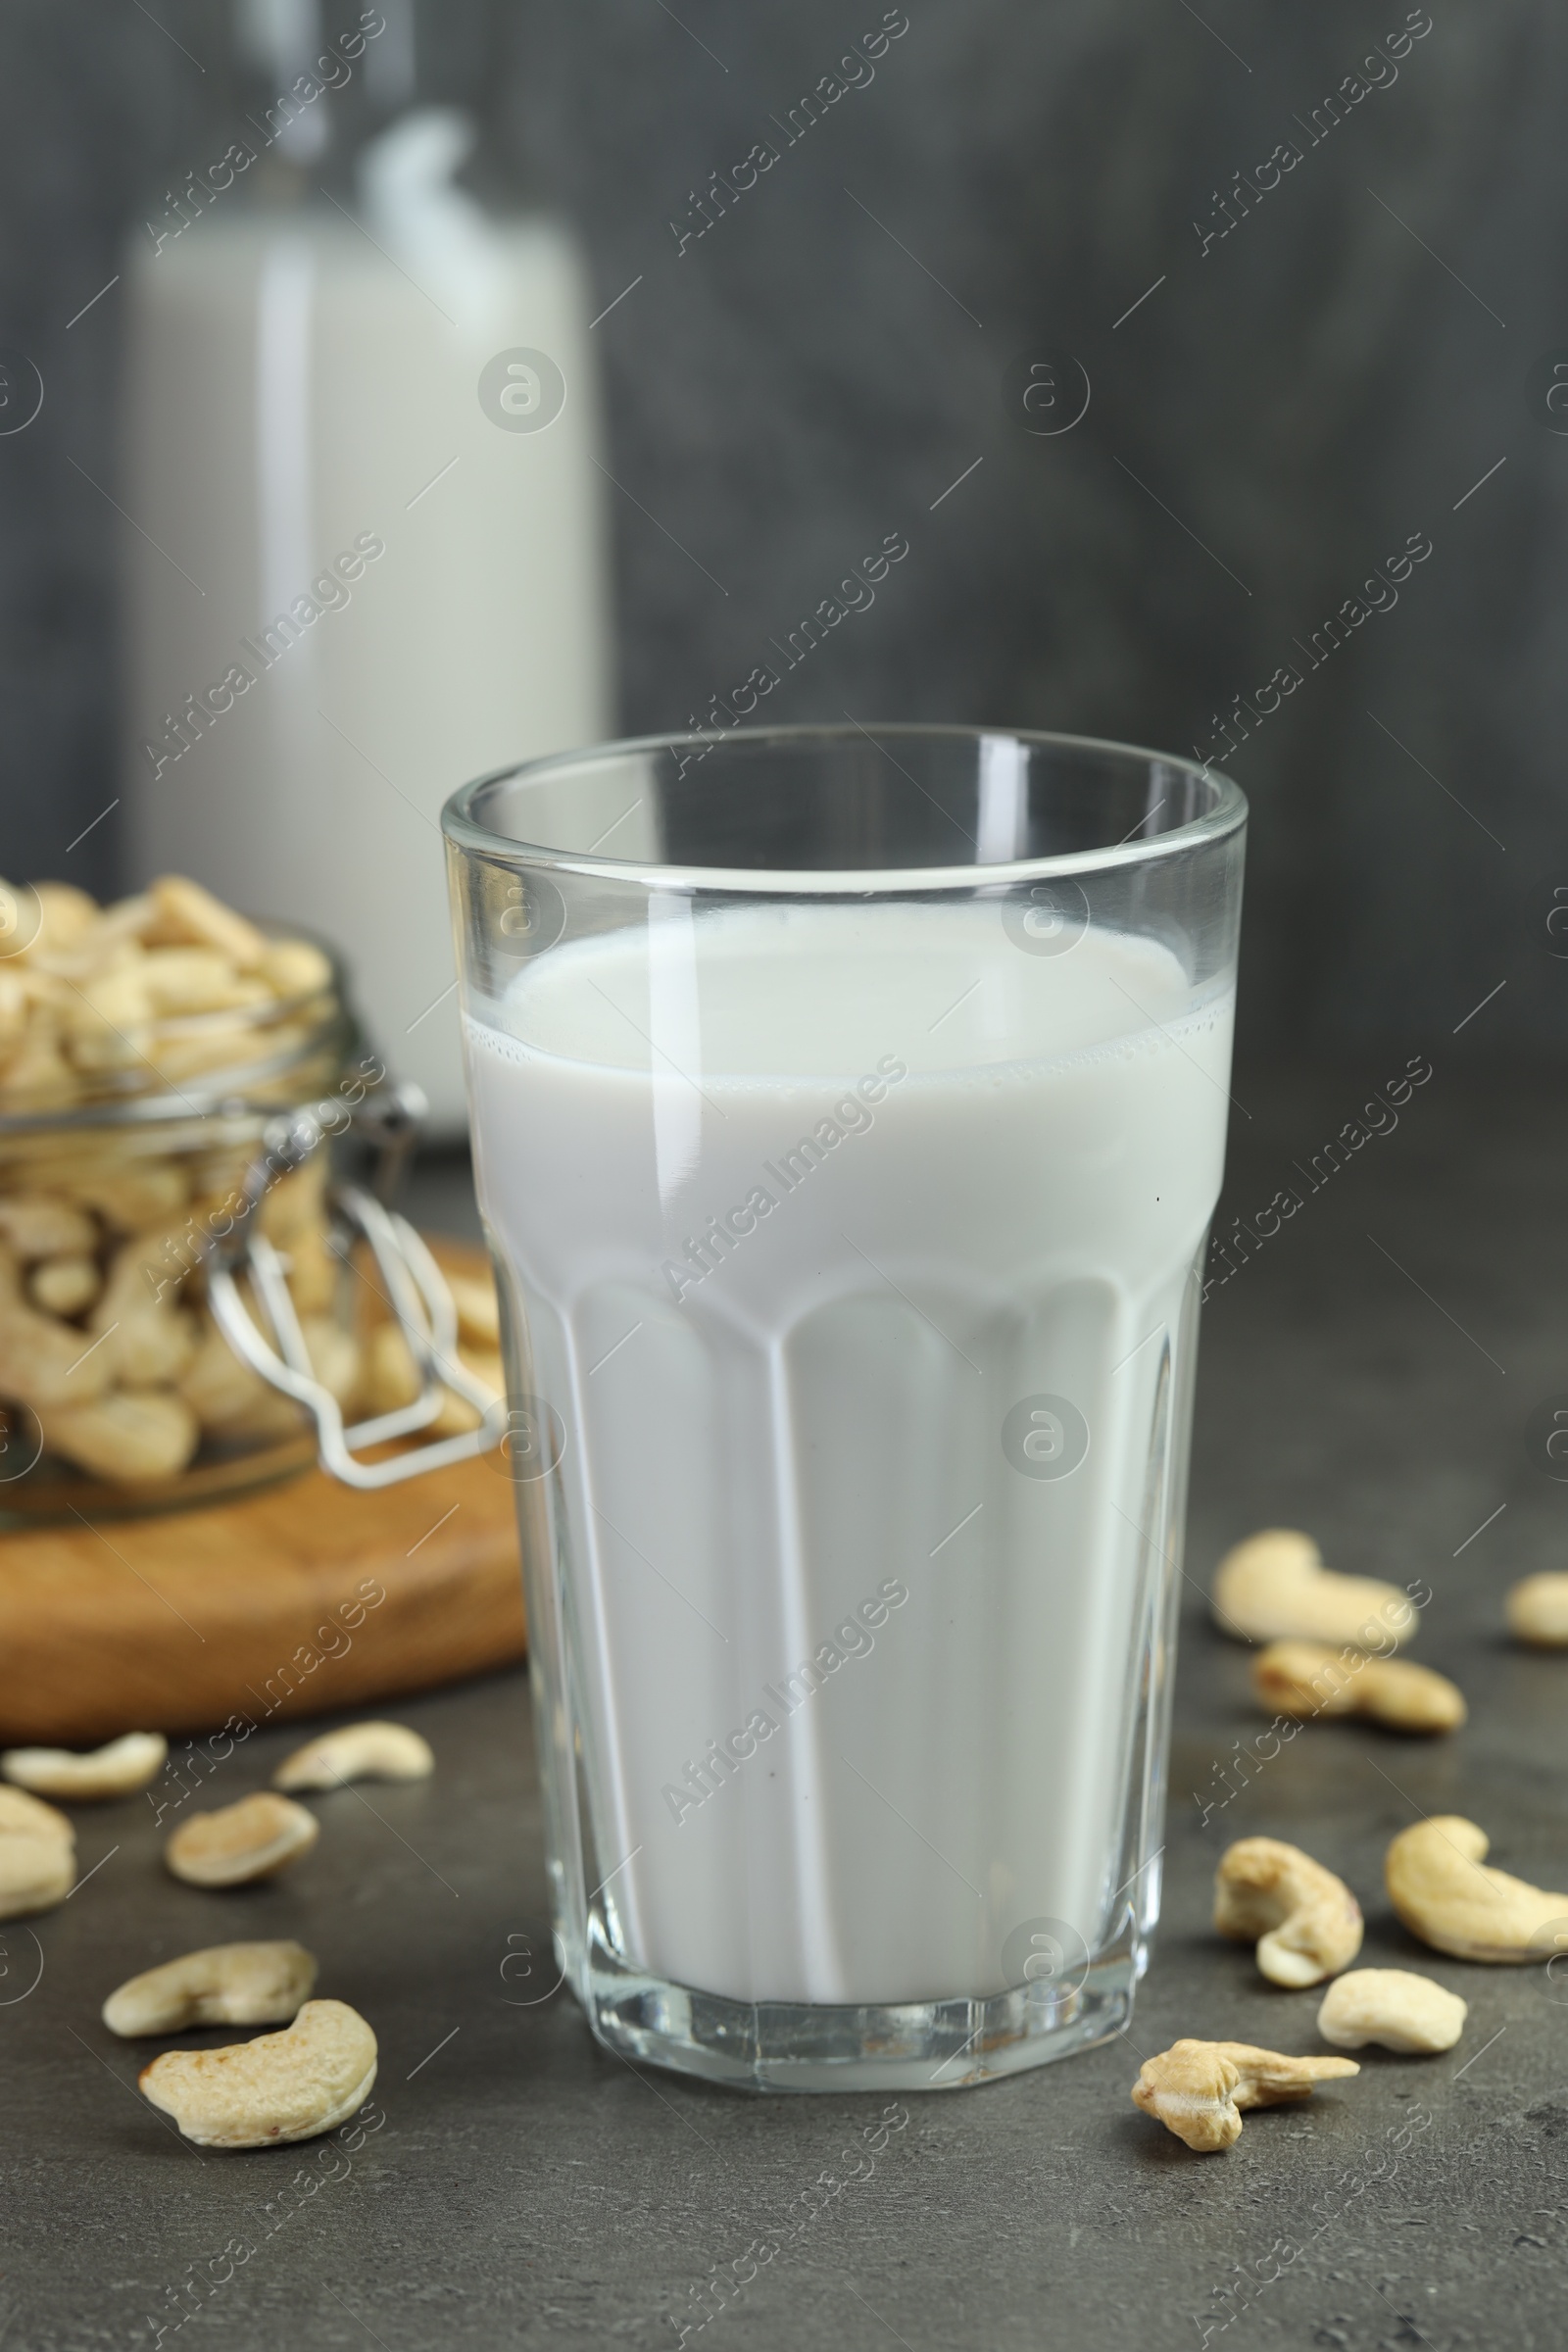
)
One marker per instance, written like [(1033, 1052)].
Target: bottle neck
[(311, 84)]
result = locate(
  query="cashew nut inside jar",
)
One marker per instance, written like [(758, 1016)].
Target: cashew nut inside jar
[(143, 1048)]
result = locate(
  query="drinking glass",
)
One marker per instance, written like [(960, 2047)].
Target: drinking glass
[(849, 1110)]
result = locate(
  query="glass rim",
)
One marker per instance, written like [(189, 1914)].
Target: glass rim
[(464, 831)]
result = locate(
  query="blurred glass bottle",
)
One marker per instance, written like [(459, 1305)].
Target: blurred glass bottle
[(367, 562)]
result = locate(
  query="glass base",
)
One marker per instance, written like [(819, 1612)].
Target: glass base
[(907, 2045)]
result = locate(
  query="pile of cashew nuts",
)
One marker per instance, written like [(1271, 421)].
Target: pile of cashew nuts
[(1329, 1639), (252, 2094), (109, 1357)]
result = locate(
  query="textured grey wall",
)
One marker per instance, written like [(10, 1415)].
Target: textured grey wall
[(1291, 402)]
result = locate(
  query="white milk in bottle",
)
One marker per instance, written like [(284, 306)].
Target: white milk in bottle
[(362, 571)]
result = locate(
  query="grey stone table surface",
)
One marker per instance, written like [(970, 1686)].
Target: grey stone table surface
[(1369, 1371)]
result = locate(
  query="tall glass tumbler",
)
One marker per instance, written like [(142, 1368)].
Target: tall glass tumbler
[(849, 1110)]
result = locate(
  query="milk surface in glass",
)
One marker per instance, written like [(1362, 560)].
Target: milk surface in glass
[(851, 1245)]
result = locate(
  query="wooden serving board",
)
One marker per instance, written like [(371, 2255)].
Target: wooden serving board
[(263, 1608)]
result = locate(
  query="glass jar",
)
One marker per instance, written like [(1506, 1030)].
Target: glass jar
[(130, 1144)]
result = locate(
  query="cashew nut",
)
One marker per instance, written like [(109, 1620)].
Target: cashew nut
[(148, 1343), (1442, 1888), (121, 1769), (179, 981), (135, 1436), (295, 1203), (184, 914), (130, 1195), (13, 1012), (150, 1346), (64, 1286), (282, 2087), (1538, 1610), (294, 967), (335, 1356), (38, 1074), (391, 1375), (64, 914), (37, 1855), (226, 1984), (359, 1751), (45, 1363), (392, 1378), (1391, 2006), (113, 927), (1275, 1587), (1198, 2090), (239, 1842), (478, 1310), (457, 1414), (313, 1272), (230, 1399), (38, 1227), (1304, 1680), (103, 1018), (1305, 1921)]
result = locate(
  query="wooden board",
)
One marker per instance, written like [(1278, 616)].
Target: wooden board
[(262, 1607)]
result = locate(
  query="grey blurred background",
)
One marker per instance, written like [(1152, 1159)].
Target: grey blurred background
[(1282, 409)]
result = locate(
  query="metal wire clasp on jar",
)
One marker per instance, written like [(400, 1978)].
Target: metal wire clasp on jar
[(413, 1286)]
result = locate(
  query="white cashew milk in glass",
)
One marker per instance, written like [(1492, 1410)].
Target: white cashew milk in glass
[(849, 1242)]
